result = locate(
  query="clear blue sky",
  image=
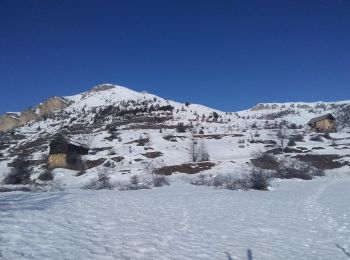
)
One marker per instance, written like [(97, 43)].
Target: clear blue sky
[(228, 55)]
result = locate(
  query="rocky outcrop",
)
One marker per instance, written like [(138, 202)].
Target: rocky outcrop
[(27, 116), (102, 87), (263, 107), (9, 121), (98, 88), (52, 105), (12, 120)]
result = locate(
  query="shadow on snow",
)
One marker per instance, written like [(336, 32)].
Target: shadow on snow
[(28, 201)]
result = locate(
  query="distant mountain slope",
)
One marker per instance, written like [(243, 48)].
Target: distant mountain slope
[(125, 129)]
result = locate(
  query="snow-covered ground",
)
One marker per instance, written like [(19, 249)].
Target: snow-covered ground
[(295, 220)]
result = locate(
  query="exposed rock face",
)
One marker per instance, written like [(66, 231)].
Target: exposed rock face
[(9, 121), (52, 105), (98, 88), (27, 116), (102, 87), (262, 107), (12, 120)]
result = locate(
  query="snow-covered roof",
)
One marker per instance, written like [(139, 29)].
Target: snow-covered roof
[(319, 118)]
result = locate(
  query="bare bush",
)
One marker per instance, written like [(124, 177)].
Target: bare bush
[(45, 186), (203, 154), (258, 179), (255, 179), (198, 151), (158, 180), (282, 136), (135, 184), (218, 181), (101, 183), (193, 149), (230, 182), (200, 180), (292, 168)]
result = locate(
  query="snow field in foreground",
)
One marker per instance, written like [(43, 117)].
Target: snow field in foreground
[(295, 220)]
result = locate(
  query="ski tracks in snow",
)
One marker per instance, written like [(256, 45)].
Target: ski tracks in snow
[(322, 216), (299, 220)]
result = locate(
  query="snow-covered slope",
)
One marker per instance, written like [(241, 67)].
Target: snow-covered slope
[(111, 119), (293, 112), (129, 133)]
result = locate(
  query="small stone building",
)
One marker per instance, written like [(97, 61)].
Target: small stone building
[(325, 123), (64, 154)]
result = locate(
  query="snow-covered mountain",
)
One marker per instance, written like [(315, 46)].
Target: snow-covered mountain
[(112, 120)]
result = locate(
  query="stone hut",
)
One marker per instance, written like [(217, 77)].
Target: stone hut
[(325, 123), (64, 154)]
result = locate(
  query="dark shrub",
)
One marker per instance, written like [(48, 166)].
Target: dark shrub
[(265, 161), (316, 138), (46, 176), (215, 115), (292, 168), (20, 173), (327, 136), (291, 142), (180, 128), (298, 138), (258, 179), (159, 180), (293, 126)]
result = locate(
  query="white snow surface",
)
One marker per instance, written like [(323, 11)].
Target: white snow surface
[(295, 220)]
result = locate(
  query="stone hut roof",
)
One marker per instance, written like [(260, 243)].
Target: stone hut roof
[(319, 118), (61, 145)]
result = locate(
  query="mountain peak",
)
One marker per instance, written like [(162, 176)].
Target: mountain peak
[(102, 87)]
